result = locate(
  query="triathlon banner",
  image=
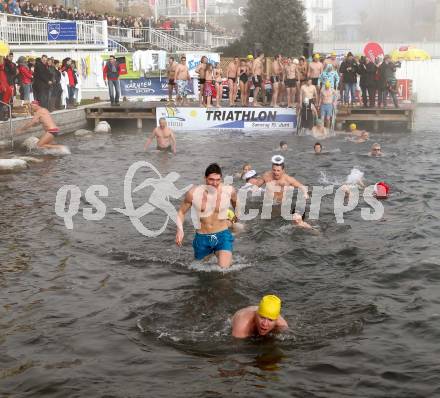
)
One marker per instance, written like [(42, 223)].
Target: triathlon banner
[(197, 119)]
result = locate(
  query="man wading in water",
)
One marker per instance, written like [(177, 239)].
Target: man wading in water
[(211, 202), (166, 141)]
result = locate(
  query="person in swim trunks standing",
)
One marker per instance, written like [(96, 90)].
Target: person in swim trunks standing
[(292, 79), (211, 202), (257, 76), (315, 70), (275, 79), (166, 141), (182, 80), (171, 71), (201, 71), (42, 116), (232, 74)]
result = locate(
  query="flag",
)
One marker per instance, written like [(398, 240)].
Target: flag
[(192, 5)]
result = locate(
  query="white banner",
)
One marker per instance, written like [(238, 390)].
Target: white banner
[(197, 119)]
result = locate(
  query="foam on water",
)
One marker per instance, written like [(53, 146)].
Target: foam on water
[(210, 265)]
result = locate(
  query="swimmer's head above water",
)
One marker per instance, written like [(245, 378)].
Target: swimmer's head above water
[(213, 175), (283, 145), (162, 122), (317, 147), (277, 166)]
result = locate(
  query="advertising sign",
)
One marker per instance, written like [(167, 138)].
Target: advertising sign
[(404, 88), (373, 50), (198, 119), (61, 31), (144, 87), (193, 60)]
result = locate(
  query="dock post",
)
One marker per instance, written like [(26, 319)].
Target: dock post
[(139, 124), (96, 122)]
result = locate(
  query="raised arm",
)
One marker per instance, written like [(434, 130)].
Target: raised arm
[(296, 184), (184, 207)]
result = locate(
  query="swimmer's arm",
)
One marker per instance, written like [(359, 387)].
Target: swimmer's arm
[(149, 140), (296, 184), (261, 180), (29, 124), (184, 207), (234, 203)]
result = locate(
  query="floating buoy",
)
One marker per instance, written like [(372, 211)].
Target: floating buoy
[(103, 127)]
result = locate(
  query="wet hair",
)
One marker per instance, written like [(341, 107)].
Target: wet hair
[(316, 144), (213, 168), (282, 165), (282, 143), (172, 58), (162, 118)]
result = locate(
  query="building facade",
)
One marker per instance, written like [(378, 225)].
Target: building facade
[(319, 16)]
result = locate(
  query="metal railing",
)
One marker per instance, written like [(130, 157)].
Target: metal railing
[(17, 30), (115, 46)]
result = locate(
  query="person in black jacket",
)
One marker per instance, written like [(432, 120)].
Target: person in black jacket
[(11, 74), (55, 90), (42, 81), (371, 70), (348, 70), (363, 82), (388, 82)]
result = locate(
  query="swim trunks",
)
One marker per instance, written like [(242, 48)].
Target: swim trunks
[(233, 79), (326, 110), (274, 79), (54, 132), (171, 82), (202, 81), (209, 90), (182, 88), (290, 83), (206, 244), (257, 80), (315, 81), (166, 149)]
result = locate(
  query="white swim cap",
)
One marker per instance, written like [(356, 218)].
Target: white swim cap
[(249, 174), (278, 160)]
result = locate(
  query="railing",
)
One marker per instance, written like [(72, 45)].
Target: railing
[(115, 46), (221, 41), (155, 37), (27, 30)]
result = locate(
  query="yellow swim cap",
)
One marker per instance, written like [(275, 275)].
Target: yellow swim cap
[(250, 56), (333, 54), (230, 215), (317, 55), (353, 126), (270, 307)]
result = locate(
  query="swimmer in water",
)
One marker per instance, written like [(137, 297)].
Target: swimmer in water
[(277, 177), (212, 234), (319, 131), (42, 116), (298, 221), (251, 182), (259, 321), (246, 167), (317, 148), (363, 138), (166, 141), (283, 146), (375, 150), (354, 130)]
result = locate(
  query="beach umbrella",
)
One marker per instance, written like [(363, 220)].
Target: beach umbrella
[(409, 54), (4, 49)]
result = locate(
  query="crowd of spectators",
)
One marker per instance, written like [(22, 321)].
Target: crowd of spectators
[(26, 8), (53, 83)]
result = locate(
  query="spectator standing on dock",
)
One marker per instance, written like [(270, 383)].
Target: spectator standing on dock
[(25, 76), (348, 69), (388, 81), (363, 82), (42, 82), (371, 72), (67, 69), (5, 91), (112, 70), (11, 73)]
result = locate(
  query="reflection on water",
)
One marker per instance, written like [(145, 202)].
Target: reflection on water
[(102, 310)]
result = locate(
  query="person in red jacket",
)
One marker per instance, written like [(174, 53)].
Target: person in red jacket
[(5, 92), (111, 72), (67, 68), (26, 76)]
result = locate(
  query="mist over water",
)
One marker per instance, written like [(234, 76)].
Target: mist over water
[(104, 311)]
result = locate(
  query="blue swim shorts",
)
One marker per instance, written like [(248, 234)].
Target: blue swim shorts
[(326, 110), (205, 244)]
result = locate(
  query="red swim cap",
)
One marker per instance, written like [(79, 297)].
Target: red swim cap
[(382, 190)]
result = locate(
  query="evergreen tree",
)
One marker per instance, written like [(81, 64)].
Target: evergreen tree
[(279, 25)]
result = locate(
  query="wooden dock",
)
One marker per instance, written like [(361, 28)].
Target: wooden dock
[(404, 114), (140, 111)]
